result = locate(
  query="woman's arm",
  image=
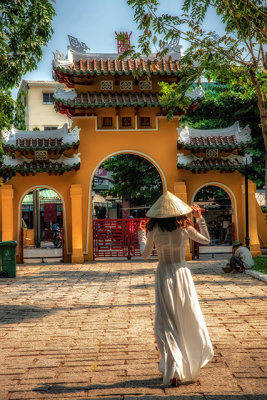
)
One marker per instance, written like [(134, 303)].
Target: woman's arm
[(203, 236), (146, 243)]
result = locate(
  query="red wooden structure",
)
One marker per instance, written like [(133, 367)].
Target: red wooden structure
[(117, 237)]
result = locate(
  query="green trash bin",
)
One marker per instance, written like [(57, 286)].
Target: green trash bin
[(8, 259)]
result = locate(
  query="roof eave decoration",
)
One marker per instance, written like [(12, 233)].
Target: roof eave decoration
[(89, 67), (27, 165), (230, 163), (14, 139), (231, 137)]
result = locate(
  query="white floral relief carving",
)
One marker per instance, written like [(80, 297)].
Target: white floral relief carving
[(184, 160), (61, 61), (247, 159), (184, 135), (60, 94)]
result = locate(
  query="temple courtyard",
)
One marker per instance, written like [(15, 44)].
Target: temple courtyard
[(71, 331)]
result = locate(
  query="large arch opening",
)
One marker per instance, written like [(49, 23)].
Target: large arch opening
[(124, 187), (41, 219), (218, 210)]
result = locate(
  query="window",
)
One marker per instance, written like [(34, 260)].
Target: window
[(126, 85), (50, 128), (145, 85), (48, 98), (106, 85), (126, 122), (145, 122), (107, 122)]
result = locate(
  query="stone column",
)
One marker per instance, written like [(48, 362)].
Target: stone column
[(181, 192), (252, 218), (7, 195), (76, 224)]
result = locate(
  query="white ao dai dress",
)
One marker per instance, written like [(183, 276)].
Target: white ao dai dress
[(182, 336)]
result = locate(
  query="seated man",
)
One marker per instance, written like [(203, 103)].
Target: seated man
[(240, 260)]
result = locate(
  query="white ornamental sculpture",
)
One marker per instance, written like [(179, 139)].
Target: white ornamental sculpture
[(60, 94), (61, 61)]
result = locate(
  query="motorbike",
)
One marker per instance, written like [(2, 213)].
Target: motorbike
[(58, 238)]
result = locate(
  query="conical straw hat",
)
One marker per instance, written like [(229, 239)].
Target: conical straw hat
[(168, 206)]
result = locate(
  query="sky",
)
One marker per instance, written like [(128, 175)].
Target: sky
[(94, 22)]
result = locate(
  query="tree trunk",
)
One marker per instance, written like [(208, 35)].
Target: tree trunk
[(262, 104)]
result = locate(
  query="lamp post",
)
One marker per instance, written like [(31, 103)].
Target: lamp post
[(246, 204)]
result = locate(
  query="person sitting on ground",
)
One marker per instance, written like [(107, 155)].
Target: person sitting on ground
[(240, 260)]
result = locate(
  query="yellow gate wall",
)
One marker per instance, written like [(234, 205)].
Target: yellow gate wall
[(75, 187)]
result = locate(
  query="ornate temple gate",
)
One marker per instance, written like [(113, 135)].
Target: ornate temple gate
[(117, 237)]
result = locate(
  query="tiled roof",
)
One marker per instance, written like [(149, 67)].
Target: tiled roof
[(39, 144), (210, 164), (220, 142), (121, 67), (40, 166), (91, 100), (225, 138)]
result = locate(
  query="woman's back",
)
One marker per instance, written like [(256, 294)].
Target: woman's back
[(171, 246)]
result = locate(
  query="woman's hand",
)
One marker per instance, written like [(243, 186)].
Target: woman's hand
[(142, 225), (196, 211)]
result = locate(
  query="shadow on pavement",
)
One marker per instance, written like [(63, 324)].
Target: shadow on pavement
[(12, 314), (156, 383)]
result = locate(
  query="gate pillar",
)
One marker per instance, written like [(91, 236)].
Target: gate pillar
[(253, 230), (7, 195), (181, 192), (76, 224)]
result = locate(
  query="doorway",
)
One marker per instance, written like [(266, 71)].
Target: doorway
[(42, 226), (218, 212)]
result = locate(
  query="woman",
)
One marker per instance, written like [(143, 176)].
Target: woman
[(180, 329)]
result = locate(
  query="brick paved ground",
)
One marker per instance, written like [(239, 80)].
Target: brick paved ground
[(86, 331)]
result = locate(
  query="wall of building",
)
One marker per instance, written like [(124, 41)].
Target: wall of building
[(39, 114)]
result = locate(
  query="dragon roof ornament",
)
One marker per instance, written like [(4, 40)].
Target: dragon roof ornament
[(242, 135), (10, 137), (61, 94)]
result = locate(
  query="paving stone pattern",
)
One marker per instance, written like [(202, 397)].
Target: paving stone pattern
[(86, 331)]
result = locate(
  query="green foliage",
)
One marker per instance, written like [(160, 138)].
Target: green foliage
[(222, 106), (20, 112), (210, 193), (235, 58), (260, 264), (25, 26), (7, 108), (134, 179)]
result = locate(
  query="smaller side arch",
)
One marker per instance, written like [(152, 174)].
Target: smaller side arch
[(64, 212), (229, 192), (138, 153)]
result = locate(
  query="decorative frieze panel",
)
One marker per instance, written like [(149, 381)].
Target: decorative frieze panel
[(126, 85), (212, 153), (40, 155), (145, 85), (106, 85)]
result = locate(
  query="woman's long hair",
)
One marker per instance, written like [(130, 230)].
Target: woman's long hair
[(169, 224)]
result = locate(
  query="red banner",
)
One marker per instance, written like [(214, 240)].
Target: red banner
[(50, 212)]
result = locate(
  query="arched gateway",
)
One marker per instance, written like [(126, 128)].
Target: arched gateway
[(115, 112)]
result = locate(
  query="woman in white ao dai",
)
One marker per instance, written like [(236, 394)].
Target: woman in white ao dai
[(182, 336)]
